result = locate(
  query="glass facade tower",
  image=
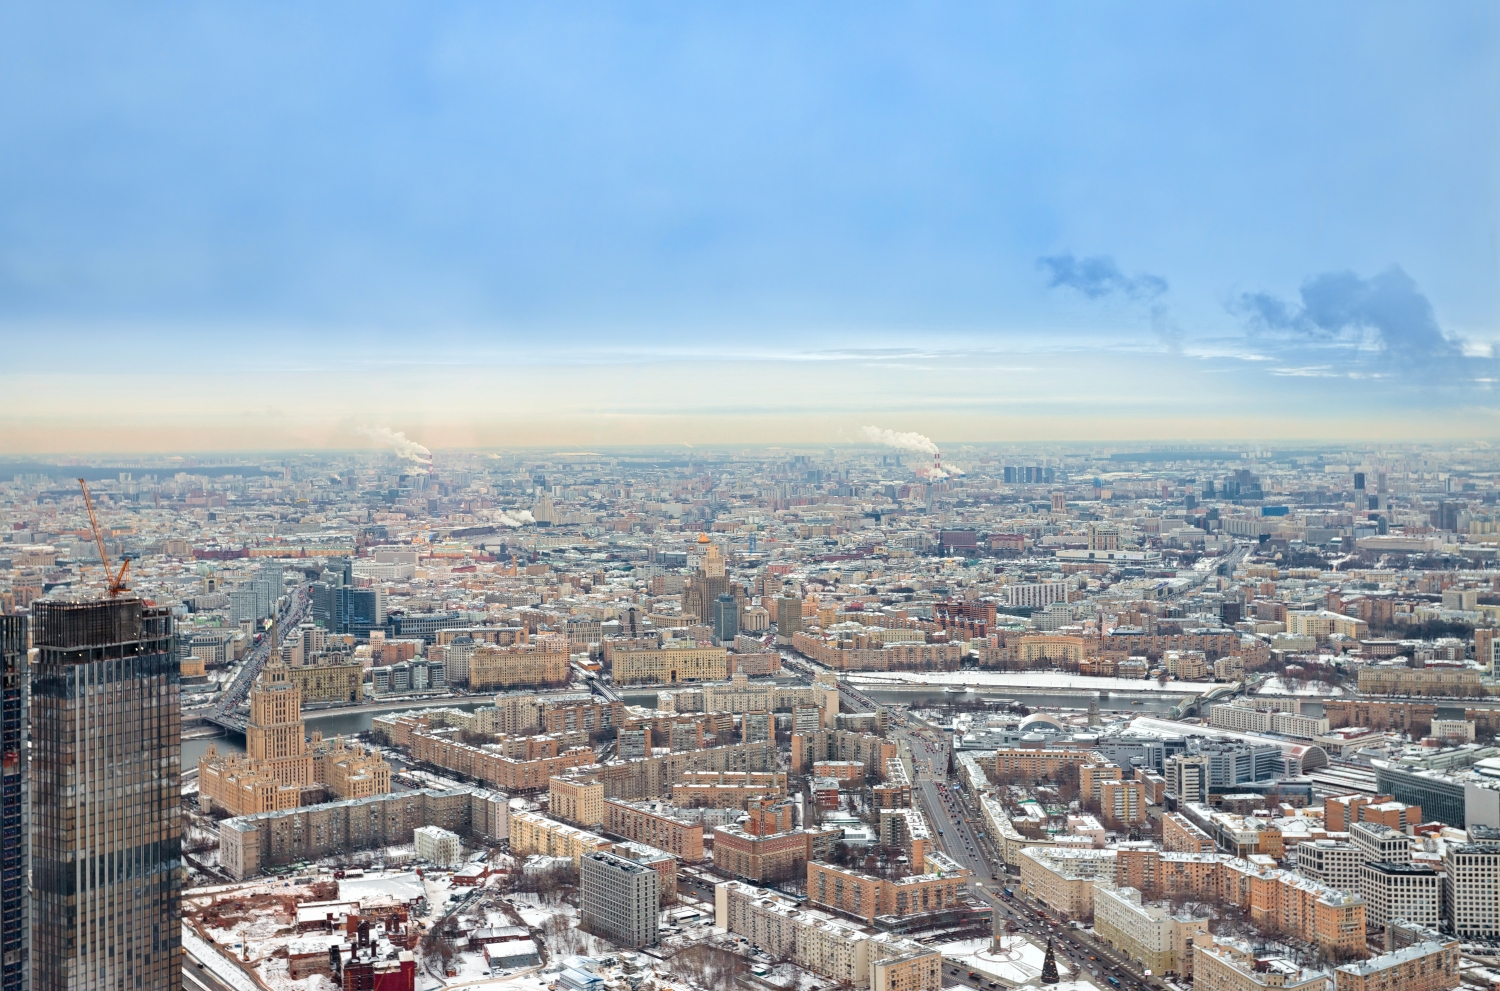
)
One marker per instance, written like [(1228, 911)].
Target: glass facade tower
[(106, 798)]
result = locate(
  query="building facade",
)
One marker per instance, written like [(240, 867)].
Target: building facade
[(619, 899), (576, 800), (1148, 934), (106, 738), (15, 805), (1403, 892), (647, 822), (1471, 880), (1425, 966)]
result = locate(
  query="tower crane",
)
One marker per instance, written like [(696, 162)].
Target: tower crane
[(117, 581)]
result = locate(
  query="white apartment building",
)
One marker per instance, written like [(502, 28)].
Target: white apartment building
[(1406, 892), (1471, 877), (1246, 720), (1035, 595), (1380, 844), (1330, 862), (438, 846)]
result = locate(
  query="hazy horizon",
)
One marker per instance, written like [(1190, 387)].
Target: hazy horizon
[(273, 227)]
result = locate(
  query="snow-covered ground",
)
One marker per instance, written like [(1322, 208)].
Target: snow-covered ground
[(1275, 686), (216, 963), (1026, 680), (1019, 960)]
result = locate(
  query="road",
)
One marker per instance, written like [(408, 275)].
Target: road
[(293, 608), (962, 825)]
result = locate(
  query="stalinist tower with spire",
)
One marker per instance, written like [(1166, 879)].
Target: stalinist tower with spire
[(281, 768), (275, 734)]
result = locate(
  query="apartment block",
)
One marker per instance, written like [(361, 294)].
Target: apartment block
[(1403, 892), (619, 899), (766, 847), (532, 833), (1425, 966), (1380, 843), (653, 777), (1151, 935), (846, 953), (530, 664), (1188, 777), (839, 745), (438, 846), (895, 791), (1033, 764), (1062, 878), (249, 845), (727, 789), (1091, 778), (1289, 902), (1233, 965), (1330, 862), (1402, 680), (443, 749), (1471, 880), (867, 898), (647, 822), (669, 665), (1122, 803), (1180, 835), (576, 800)]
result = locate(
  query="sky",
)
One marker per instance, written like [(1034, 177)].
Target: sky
[(504, 224)]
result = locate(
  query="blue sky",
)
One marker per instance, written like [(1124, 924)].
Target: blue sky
[(501, 222)]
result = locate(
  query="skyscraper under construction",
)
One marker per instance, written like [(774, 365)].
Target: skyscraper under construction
[(15, 811), (106, 799)]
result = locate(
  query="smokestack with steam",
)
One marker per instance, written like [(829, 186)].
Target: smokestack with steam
[(907, 441), (400, 444), (912, 441)]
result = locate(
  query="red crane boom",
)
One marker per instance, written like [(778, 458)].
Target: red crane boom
[(117, 580)]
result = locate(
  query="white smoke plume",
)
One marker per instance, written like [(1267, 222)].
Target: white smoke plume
[(399, 442), (517, 519), (904, 441)]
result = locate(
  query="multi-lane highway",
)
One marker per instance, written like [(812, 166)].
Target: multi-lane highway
[(962, 838), (224, 713)]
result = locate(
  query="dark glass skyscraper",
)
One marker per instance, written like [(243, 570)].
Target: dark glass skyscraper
[(15, 811), (726, 619), (106, 798)]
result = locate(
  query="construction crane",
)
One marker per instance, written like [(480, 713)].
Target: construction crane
[(117, 582)]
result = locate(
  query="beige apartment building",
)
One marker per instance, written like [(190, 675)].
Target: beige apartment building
[(866, 897), (1149, 934), (532, 833), (537, 663), (1428, 966), (330, 682), (1062, 878), (669, 665), (1400, 680), (1232, 965), (576, 800), (647, 822), (846, 953)]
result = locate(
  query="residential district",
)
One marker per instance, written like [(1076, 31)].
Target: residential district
[(784, 719)]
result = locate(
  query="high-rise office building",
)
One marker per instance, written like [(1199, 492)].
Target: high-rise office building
[(15, 813), (726, 619), (106, 737), (788, 616)]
